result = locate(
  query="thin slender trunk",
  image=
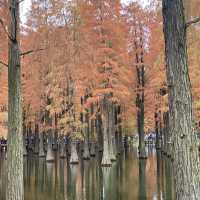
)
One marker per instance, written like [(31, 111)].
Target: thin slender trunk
[(158, 146), (99, 133), (139, 58), (41, 145), (119, 132), (36, 139), (86, 153), (93, 132), (185, 151), (25, 153)]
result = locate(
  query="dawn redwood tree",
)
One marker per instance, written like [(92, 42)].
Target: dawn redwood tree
[(14, 187), (140, 68), (185, 156), (136, 24)]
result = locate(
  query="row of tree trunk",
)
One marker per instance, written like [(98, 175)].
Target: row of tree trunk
[(102, 133)]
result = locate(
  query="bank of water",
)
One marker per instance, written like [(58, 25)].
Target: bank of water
[(127, 179)]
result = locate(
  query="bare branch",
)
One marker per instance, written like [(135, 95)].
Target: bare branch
[(5, 30), (193, 21), (3, 63), (20, 1), (31, 51)]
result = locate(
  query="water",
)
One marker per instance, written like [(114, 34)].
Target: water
[(127, 179)]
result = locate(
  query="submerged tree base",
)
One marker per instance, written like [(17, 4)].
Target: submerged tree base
[(143, 154), (92, 150), (74, 155), (41, 153), (86, 154), (106, 162), (74, 161), (142, 157), (113, 158), (50, 156)]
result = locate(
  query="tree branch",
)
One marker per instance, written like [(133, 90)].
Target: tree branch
[(20, 1), (31, 51), (3, 63), (5, 30), (193, 21)]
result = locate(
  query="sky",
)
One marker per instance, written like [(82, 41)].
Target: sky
[(25, 5)]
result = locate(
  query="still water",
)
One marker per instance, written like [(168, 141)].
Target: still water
[(127, 179)]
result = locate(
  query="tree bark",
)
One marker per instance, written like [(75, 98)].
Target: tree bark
[(120, 145), (50, 153), (139, 58), (158, 145), (111, 133), (36, 139), (106, 159), (62, 147), (86, 152), (93, 132), (142, 193), (41, 145), (14, 184), (99, 133), (185, 151), (74, 155), (25, 153)]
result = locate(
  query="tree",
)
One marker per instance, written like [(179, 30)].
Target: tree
[(185, 157), (14, 189), (136, 23)]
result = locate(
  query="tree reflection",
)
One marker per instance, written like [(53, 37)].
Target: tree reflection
[(142, 180), (127, 179)]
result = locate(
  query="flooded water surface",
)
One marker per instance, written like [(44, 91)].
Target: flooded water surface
[(127, 179)]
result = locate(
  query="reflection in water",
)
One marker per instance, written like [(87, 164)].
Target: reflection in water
[(142, 180), (164, 178), (127, 179)]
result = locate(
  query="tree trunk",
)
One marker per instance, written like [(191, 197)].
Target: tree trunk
[(25, 153), (93, 142), (74, 155), (119, 138), (36, 139), (161, 130), (142, 180), (50, 153), (93, 132), (14, 184), (86, 153), (93, 148), (63, 151), (158, 145), (99, 133), (140, 117), (139, 57), (167, 134), (106, 160), (41, 145), (111, 134), (29, 137), (164, 133), (185, 151)]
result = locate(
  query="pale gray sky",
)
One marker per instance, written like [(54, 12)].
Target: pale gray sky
[(25, 5)]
